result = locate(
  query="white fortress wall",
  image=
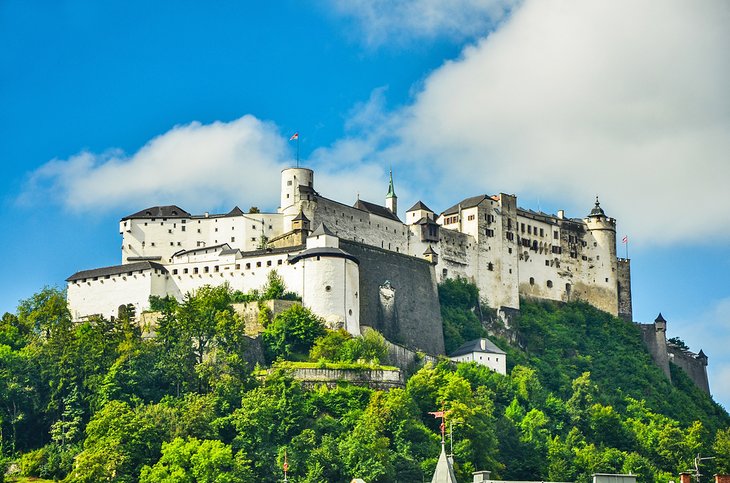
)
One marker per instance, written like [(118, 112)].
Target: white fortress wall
[(242, 272), (162, 237), (103, 294), (357, 225)]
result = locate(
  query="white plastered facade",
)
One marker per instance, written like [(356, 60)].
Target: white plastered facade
[(506, 251)]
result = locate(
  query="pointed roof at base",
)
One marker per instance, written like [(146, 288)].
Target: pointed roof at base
[(420, 206), (322, 230), (301, 217), (444, 471)]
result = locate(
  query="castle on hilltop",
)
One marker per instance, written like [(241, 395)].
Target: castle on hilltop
[(362, 264)]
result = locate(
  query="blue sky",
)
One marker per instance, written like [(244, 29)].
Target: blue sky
[(110, 107)]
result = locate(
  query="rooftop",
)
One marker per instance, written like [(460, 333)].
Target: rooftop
[(476, 346), (115, 270), (375, 209)]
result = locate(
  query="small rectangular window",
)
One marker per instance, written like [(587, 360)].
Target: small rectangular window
[(185, 270), (174, 271)]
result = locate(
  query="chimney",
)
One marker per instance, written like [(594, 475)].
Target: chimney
[(481, 476), (722, 478), (561, 214), (685, 477)]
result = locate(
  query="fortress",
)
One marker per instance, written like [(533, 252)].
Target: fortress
[(362, 265)]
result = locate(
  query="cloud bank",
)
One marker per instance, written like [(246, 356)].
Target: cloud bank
[(566, 100), (572, 98), (404, 21), (193, 165)]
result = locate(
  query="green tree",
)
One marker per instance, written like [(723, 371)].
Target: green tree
[(292, 333), (119, 441), (329, 346), (195, 461), (721, 447)]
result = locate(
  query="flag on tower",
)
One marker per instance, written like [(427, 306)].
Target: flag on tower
[(625, 239), (294, 136)]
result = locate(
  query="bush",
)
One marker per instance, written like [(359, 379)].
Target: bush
[(292, 333), (32, 462), (340, 346)]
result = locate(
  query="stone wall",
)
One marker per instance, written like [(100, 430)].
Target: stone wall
[(406, 311), (656, 343), (406, 359), (250, 313), (381, 379), (623, 281), (690, 364)]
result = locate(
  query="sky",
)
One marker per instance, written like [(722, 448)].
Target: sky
[(107, 108)]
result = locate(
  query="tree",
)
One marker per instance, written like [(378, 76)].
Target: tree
[(293, 332), (721, 447), (119, 441), (45, 312), (196, 461)]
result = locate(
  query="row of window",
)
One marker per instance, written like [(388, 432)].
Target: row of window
[(216, 268)]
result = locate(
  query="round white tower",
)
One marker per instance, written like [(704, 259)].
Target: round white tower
[(602, 258), (291, 179), (330, 281)]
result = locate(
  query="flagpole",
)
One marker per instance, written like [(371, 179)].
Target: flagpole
[(297, 151), (627, 249)]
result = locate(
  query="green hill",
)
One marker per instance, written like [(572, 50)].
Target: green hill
[(97, 402)]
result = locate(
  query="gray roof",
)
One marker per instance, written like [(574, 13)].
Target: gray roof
[(429, 251), (597, 210), (466, 203), (169, 211), (476, 346), (322, 230), (375, 209), (424, 220), (444, 472), (420, 206), (201, 249), (115, 270), (330, 252), (236, 211), (229, 251), (301, 217)]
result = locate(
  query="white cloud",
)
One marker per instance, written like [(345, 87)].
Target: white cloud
[(196, 166), (572, 98), (567, 99), (402, 21)]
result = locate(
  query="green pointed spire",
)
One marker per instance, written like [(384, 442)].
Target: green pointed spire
[(391, 190)]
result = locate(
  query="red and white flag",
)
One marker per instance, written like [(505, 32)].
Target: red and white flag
[(625, 239), (294, 136)]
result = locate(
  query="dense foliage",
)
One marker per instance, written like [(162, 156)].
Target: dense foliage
[(95, 401)]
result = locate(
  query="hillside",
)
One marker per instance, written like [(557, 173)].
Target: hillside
[(97, 402)]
